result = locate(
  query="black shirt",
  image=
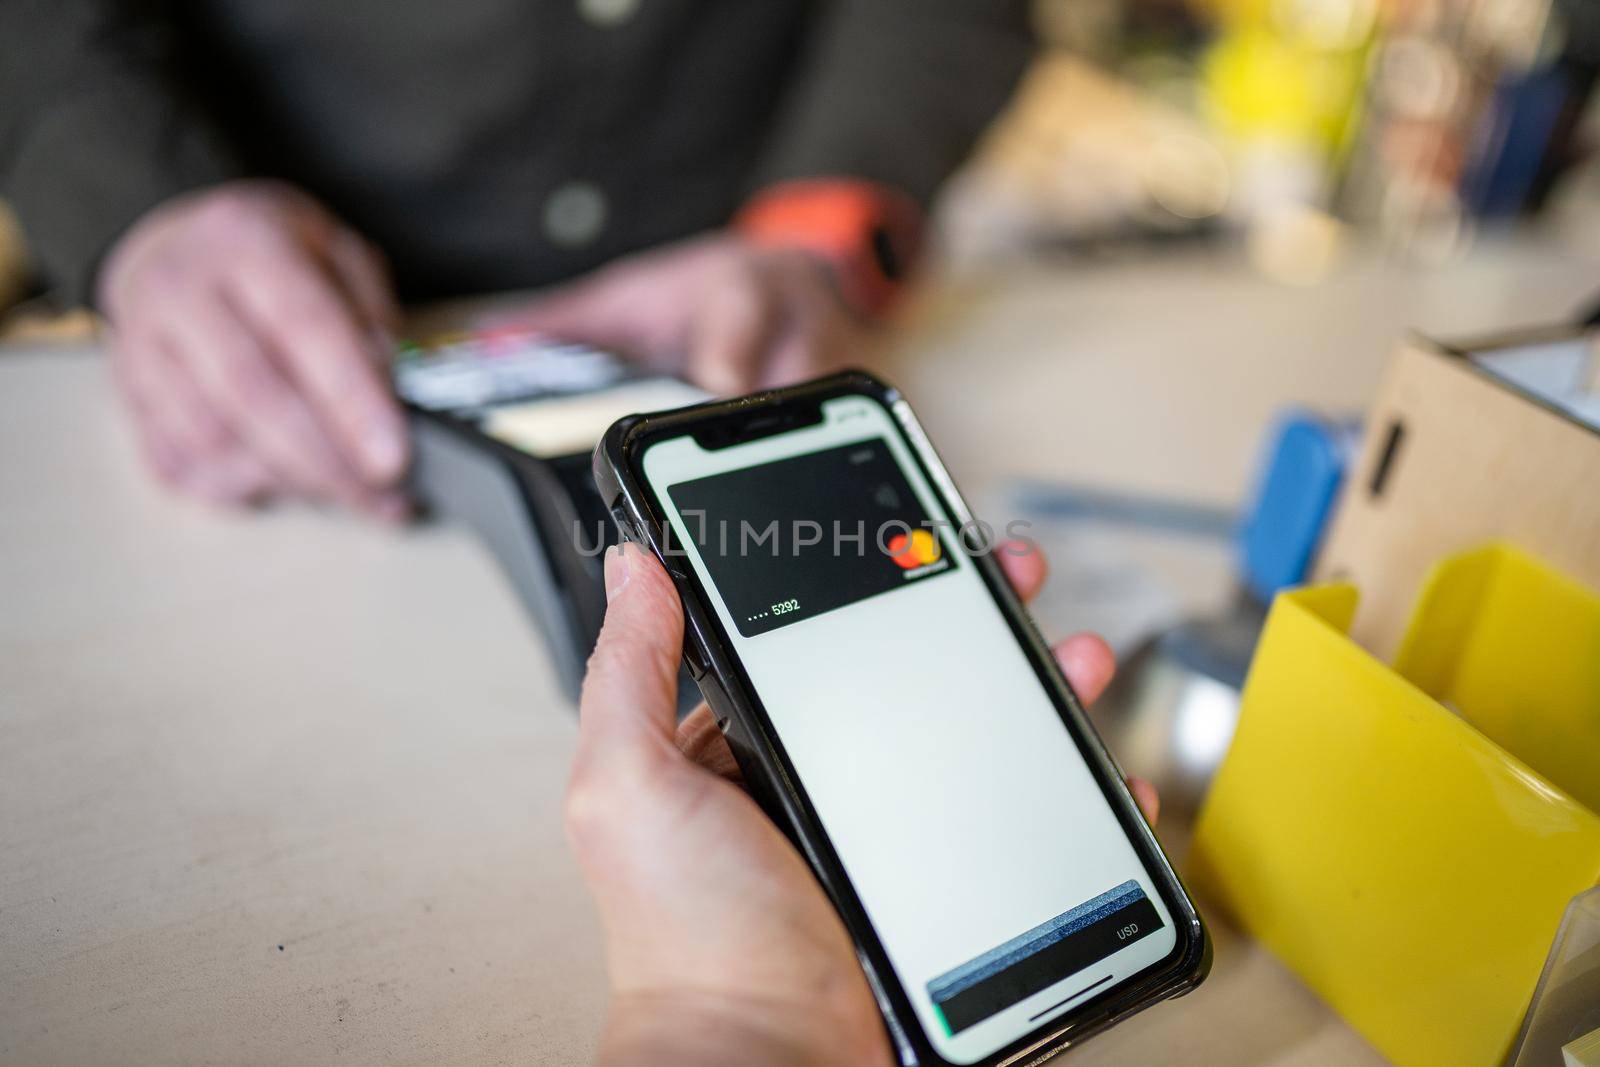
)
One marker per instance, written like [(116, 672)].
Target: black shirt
[(483, 144)]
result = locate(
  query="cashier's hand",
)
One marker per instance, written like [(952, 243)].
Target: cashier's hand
[(728, 315), (250, 337), (721, 946)]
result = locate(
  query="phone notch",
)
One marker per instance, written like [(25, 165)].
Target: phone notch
[(742, 426)]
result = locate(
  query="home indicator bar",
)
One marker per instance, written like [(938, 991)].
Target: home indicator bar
[(1043, 956)]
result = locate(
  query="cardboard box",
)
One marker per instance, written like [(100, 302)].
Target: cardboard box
[(1467, 444)]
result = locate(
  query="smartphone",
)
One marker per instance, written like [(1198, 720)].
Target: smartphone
[(896, 712)]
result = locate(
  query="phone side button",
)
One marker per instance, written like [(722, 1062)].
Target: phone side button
[(717, 698), (694, 649), (691, 659), (624, 524)]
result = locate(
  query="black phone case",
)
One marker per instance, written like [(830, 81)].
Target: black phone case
[(772, 780)]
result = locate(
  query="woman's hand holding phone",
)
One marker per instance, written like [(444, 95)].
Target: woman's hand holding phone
[(722, 947)]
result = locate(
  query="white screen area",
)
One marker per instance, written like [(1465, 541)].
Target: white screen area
[(987, 858)]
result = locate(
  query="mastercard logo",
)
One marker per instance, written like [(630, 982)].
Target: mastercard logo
[(916, 549)]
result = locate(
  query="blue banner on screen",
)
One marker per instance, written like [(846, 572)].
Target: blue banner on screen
[(1041, 957)]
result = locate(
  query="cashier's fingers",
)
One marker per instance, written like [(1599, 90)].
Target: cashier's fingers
[(220, 468), (328, 354), (187, 445), (229, 362), (729, 333), (363, 273), (819, 332), (628, 711), (592, 311), (161, 453)]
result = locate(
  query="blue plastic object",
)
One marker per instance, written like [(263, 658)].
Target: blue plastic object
[(1294, 500)]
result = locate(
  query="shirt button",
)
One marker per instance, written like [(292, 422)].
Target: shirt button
[(608, 12), (574, 214)]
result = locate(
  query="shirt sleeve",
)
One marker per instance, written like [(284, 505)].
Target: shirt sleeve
[(897, 91), (95, 128)]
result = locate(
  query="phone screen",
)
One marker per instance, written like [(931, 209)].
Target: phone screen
[(987, 857)]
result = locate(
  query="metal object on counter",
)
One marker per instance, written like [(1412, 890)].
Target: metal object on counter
[(1171, 712)]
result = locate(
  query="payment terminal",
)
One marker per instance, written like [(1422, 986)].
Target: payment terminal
[(503, 425)]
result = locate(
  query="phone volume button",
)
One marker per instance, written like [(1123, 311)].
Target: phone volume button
[(625, 525), (694, 655)]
